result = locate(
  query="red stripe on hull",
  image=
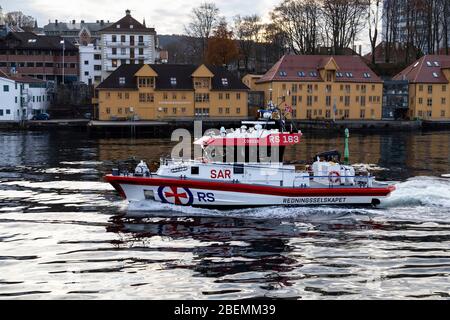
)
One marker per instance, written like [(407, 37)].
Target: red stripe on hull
[(248, 188)]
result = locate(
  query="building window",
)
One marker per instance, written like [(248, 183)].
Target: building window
[(316, 98), (238, 96), (238, 110), (328, 88), (183, 110), (347, 88), (363, 88), (127, 95), (114, 38), (202, 97), (227, 96), (220, 110), (174, 110), (123, 39), (429, 102), (309, 114), (443, 100), (294, 100), (444, 88), (309, 100), (420, 100), (328, 101), (86, 62), (173, 82), (329, 76), (347, 101), (227, 110), (430, 89), (346, 113), (122, 80), (442, 113), (310, 88), (294, 88), (165, 96), (174, 96), (5, 88), (328, 114), (146, 82), (1, 112), (363, 101), (220, 96), (114, 63), (362, 114), (86, 73)]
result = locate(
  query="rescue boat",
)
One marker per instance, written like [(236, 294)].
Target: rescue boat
[(254, 177)]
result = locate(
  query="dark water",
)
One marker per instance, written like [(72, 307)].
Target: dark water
[(66, 234)]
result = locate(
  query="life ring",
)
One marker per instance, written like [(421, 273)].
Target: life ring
[(334, 177)]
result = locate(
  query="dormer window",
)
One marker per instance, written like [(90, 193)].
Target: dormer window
[(283, 74), (122, 80), (31, 40), (367, 75), (118, 26), (173, 81), (131, 26), (429, 64), (313, 74), (435, 75), (225, 82), (339, 75), (301, 74), (436, 64)]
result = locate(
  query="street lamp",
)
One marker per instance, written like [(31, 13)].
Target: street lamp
[(63, 56)]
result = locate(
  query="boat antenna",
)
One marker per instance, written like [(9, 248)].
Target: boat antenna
[(347, 150)]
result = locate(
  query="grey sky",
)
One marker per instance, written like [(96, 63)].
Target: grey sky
[(167, 16)]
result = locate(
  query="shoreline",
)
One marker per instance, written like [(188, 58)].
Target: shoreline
[(163, 128)]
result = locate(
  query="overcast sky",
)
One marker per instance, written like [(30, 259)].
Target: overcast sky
[(167, 16)]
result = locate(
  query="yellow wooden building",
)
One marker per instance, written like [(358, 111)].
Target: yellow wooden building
[(322, 87), (429, 90), (167, 91)]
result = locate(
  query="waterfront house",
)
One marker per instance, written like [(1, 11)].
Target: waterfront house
[(39, 57), (322, 87), (126, 41), (22, 97), (429, 90), (168, 91)]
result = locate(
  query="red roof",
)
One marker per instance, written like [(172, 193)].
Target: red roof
[(427, 69), (306, 68)]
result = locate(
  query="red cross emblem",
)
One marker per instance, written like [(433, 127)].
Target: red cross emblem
[(177, 196)]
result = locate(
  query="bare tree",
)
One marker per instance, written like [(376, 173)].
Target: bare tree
[(299, 20), (19, 19), (247, 31), (204, 20), (345, 20), (373, 21)]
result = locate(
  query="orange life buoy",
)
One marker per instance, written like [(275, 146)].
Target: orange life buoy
[(334, 177)]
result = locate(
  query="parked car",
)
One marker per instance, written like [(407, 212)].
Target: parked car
[(42, 116)]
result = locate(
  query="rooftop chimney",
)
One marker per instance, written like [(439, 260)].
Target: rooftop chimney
[(82, 21), (102, 22), (73, 21), (128, 12), (56, 21)]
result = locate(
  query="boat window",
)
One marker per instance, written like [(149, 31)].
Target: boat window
[(238, 169), (195, 170)]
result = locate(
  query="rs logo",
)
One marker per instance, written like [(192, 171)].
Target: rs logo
[(175, 195)]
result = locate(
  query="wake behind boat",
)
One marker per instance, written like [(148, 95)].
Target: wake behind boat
[(255, 177)]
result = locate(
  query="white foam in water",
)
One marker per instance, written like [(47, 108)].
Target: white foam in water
[(420, 191), (447, 175), (150, 207)]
